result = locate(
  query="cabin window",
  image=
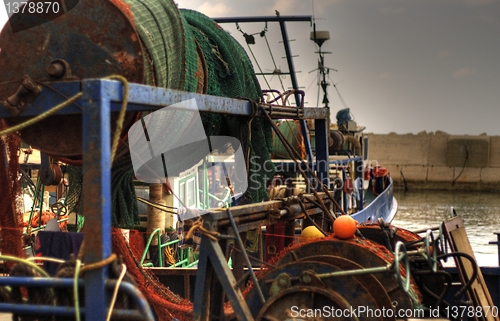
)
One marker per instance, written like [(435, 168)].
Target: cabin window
[(188, 190), (182, 192), (191, 191)]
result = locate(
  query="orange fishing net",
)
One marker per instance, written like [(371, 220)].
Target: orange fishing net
[(166, 304), (375, 248), (10, 215)]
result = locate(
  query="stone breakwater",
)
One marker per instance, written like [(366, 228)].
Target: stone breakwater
[(439, 160)]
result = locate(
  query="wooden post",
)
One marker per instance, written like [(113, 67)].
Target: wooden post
[(156, 217)]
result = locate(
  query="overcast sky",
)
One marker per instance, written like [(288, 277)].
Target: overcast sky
[(403, 66)]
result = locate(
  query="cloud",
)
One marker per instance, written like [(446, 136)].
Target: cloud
[(215, 10), (463, 72), (287, 7), (391, 10), (321, 7), (488, 18), (479, 2), (445, 53), (387, 75)]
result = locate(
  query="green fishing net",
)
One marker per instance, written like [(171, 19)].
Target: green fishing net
[(179, 46)]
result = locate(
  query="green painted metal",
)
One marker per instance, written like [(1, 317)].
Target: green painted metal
[(157, 233), (185, 254)]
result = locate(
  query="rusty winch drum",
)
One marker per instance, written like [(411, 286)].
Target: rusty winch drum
[(92, 39)]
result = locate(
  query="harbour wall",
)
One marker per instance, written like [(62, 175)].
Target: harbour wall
[(438, 160)]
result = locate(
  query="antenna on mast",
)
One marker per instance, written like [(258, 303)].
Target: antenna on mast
[(319, 37)]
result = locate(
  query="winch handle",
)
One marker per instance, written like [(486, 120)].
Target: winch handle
[(431, 258), (400, 254)]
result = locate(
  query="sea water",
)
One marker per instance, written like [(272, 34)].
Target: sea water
[(480, 212)]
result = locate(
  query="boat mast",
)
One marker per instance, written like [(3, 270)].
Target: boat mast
[(319, 37), (282, 20)]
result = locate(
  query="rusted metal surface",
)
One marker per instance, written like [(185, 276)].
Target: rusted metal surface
[(59, 69), (25, 94), (95, 39), (339, 291), (60, 135), (286, 304), (368, 281), (366, 257)]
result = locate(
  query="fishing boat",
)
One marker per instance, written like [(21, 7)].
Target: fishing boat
[(142, 63)]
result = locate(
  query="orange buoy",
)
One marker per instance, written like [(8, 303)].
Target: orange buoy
[(344, 227)]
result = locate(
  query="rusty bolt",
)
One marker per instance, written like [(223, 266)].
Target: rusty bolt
[(56, 69)]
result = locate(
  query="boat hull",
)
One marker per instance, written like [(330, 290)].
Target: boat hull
[(384, 206)]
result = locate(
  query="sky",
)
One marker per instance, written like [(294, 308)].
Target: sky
[(403, 66)]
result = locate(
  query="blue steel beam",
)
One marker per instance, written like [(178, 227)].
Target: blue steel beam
[(144, 312), (322, 157), (96, 193), (141, 98), (262, 19), (67, 311), (295, 85)]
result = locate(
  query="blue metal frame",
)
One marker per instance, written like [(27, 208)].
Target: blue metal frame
[(144, 312), (322, 157), (295, 85), (141, 98), (96, 192), (100, 98)]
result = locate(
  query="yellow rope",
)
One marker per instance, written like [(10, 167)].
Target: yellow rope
[(42, 116), (161, 207), (199, 225), (121, 115), (76, 297), (169, 255), (81, 252), (24, 261), (48, 259), (98, 265), (115, 292)]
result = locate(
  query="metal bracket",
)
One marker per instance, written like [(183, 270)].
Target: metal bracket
[(25, 94)]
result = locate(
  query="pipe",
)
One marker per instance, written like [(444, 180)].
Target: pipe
[(355, 142)]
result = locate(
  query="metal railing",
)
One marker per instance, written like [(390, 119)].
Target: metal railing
[(185, 254)]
